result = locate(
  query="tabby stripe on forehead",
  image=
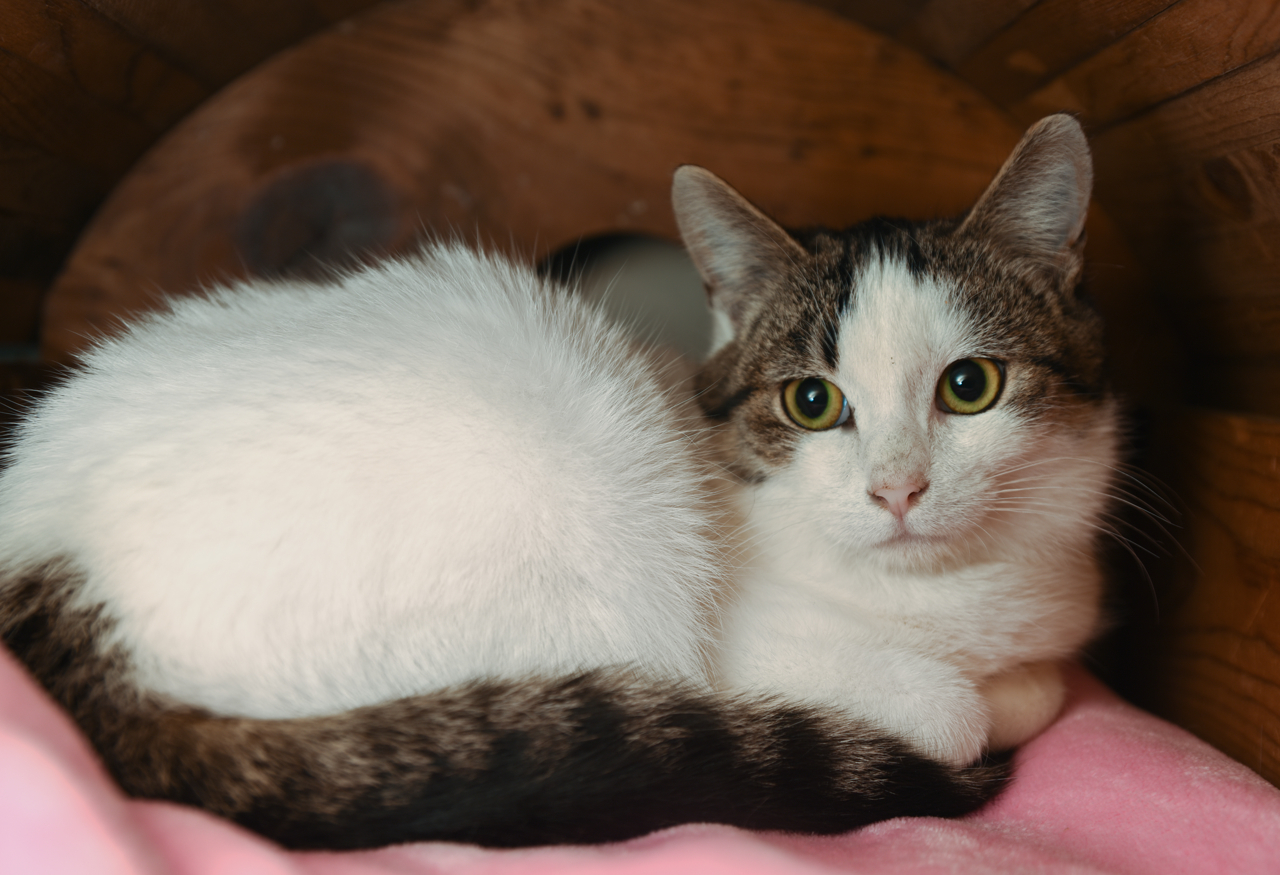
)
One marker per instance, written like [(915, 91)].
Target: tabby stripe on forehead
[(799, 341), (913, 255), (891, 240), (844, 273)]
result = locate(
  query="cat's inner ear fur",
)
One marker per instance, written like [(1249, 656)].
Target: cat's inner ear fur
[(1036, 205), (740, 252)]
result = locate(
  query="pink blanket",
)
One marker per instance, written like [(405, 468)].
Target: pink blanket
[(1106, 789)]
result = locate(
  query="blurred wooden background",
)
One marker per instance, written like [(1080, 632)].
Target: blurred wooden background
[(290, 131)]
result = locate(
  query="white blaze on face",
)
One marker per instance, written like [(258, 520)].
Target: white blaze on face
[(894, 342)]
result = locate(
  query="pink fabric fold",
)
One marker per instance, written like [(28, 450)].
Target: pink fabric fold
[(1106, 789)]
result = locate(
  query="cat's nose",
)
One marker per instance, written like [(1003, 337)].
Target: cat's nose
[(898, 499)]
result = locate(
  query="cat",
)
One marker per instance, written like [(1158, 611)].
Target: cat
[(921, 419), (430, 550)]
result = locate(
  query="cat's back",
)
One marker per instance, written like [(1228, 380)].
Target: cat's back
[(361, 471)]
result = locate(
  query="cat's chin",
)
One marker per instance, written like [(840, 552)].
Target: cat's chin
[(912, 549), (905, 537)]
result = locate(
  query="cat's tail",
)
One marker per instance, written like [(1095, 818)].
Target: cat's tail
[(596, 757), (592, 758)]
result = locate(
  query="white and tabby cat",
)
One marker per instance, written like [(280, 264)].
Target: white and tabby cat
[(426, 551)]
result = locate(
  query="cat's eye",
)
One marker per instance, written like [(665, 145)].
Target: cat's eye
[(815, 403), (970, 385)]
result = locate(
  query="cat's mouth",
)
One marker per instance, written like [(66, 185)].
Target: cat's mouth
[(906, 537), (913, 543)]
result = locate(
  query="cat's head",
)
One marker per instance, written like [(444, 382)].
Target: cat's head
[(912, 389)]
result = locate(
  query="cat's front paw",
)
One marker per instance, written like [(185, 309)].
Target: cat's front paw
[(1022, 702), (955, 734), (945, 721)]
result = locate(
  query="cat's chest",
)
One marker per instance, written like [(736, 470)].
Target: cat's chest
[(863, 594), (797, 585)]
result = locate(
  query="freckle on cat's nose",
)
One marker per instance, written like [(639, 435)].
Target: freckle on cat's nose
[(897, 499)]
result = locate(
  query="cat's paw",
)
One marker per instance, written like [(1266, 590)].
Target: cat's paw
[(945, 720), (1022, 702), (953, 730)]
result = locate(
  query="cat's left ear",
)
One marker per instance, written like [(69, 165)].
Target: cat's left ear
[(740, 252), (1037, 203)]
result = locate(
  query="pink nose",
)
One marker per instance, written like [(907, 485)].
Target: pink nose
[(897, 499)]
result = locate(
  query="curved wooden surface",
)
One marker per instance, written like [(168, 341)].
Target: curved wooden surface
[(85, 87), (532, 123), (526, 129)]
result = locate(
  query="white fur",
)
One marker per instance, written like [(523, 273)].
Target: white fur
[(297, 499), (903, 621)]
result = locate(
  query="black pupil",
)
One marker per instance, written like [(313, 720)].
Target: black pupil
[(812, 398), (968, 380)]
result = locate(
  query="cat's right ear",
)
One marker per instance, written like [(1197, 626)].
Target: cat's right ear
[(1036, 205), (740, 252)]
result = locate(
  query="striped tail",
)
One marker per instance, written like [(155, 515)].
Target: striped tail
[(597, 757)]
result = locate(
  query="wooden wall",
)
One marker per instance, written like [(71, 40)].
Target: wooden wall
[(86, 86), (545, 120)]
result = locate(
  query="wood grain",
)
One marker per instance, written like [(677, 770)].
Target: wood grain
[(217, 40), (531, 126), (1193, 182), (1050, 37), (40, 109), (884, 17), (86, 87), (1190, 43), (950, 30), (97, 57), (1215, 663), (1222, 116)]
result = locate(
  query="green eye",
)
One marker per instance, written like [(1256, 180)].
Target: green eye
[(815, 404), (970, 385)]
